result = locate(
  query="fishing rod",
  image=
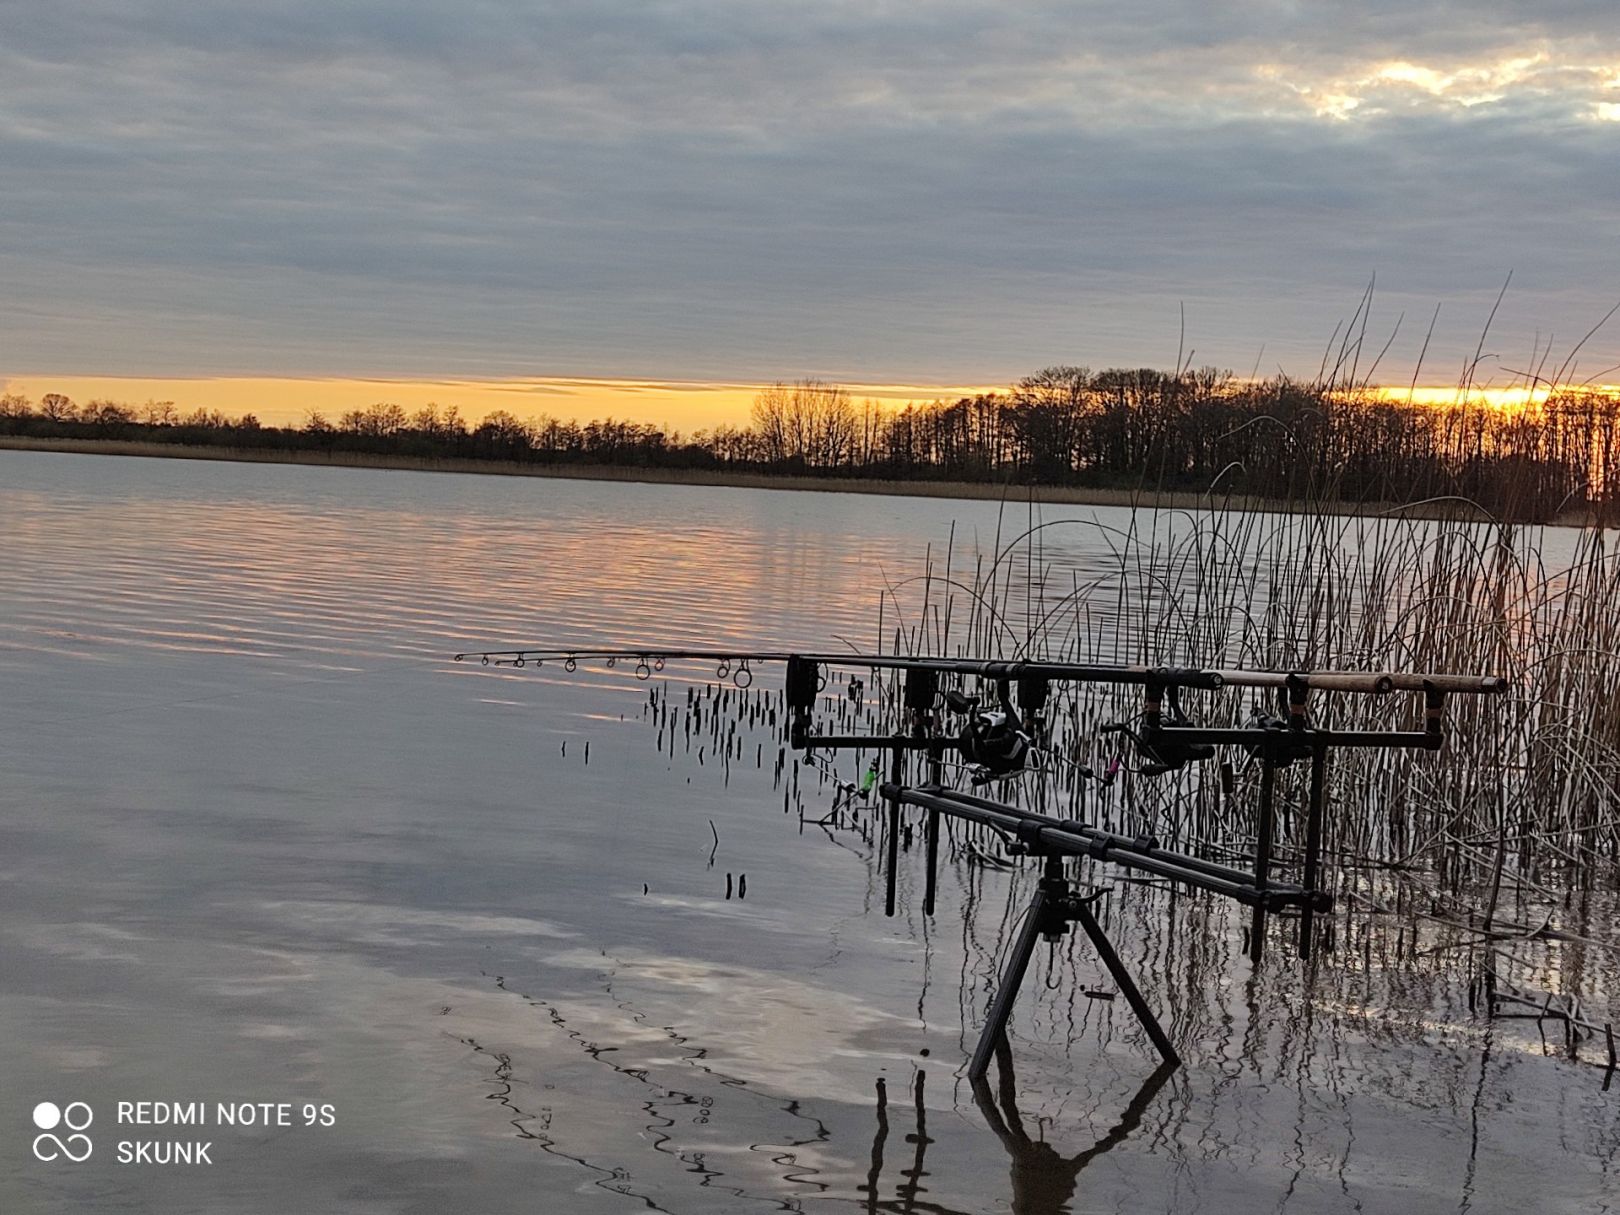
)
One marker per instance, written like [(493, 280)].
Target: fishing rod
[(1001, 741), (651, 660), (733, 664)]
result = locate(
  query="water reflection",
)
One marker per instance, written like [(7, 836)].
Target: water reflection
[(259, 837), (1043, 1179)]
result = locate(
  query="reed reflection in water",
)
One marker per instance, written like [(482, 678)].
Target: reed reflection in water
[(263, 840)]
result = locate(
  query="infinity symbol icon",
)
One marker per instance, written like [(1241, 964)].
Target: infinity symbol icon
[(63, 1148)]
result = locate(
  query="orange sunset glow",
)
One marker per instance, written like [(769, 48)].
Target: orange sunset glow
[(684, 405), (1510, 397)]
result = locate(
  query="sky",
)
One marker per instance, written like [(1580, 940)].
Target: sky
[(610, 207)]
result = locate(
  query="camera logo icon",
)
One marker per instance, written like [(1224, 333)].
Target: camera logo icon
[(76, 1118)]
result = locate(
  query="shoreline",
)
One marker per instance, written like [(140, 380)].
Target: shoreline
[(962, 490)]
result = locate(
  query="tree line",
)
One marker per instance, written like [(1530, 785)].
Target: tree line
[(1201, 431)]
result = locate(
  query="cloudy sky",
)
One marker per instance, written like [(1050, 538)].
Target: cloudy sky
[(914, 193)]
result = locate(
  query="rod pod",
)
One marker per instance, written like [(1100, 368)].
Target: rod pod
[(1051, 910)]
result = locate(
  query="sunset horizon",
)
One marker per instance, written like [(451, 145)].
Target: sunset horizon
[(684, 406)]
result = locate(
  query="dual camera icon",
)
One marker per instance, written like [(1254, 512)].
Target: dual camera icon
[(75, 1118)]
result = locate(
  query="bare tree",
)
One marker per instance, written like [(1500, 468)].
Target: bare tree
[(57, 407), (106, 414), (159, 413), (436, 422), (376, 421), (810, 420), (504, 429)]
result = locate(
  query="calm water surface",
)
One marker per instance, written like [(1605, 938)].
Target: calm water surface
[(261, 842)]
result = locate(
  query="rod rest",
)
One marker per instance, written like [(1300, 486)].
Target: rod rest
[(1038, 835)]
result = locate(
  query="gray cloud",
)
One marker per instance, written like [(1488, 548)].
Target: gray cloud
[(712, 188)]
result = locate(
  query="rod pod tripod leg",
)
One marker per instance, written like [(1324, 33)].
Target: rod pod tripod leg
[(1050, 912), (994, 1033)]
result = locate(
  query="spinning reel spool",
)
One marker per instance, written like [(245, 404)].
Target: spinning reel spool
[(996, 742)]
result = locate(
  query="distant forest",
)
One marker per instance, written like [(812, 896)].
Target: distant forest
[(1201, 431)]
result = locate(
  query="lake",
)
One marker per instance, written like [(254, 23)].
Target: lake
[(474, 934)]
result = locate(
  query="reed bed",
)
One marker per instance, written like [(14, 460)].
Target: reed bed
[(1521, 802)]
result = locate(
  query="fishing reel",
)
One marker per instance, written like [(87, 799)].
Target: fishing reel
[(1161, 754), (993, 741), (1276, 743)]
